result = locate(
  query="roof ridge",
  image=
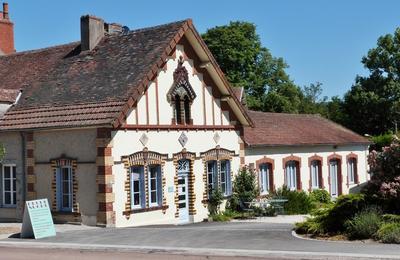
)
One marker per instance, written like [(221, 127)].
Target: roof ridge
[(288, 114), (39, 50)]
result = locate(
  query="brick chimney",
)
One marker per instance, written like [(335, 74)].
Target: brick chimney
[(92, 31), (6, 32)]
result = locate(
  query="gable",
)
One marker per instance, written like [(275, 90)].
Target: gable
[(155, 107)]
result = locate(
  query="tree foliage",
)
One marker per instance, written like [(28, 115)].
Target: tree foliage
[(246, 63), (373, 103)]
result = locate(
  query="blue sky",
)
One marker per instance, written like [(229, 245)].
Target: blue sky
[(321, 40)]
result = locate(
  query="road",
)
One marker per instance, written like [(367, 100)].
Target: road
[(205, 239)]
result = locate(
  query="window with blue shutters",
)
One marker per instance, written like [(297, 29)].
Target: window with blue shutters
[(225, 177), (155, 185), (211, 175), (64, 188), (220, 178), (138, 199)]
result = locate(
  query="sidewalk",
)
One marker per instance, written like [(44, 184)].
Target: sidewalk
[(8, 229)]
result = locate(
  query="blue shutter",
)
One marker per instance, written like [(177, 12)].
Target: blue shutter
[(142, 187), (159, 186), (215, 175), (228, 177), (58, 189)]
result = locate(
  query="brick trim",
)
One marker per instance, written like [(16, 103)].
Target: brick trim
[(216, 154), (30, 166), (338, 157), (185, 155), (105, 178), (298, 167), (320, 160), (271, 164), (353, 156), (55, 164), (143, 158)]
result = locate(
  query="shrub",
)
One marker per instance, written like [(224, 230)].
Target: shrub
[(244, 189), (215, 201), (380, 141), (321, 196), (364, 224), (331, 218), (220, 217), (264, 212), (298, 201), (391, 218), (389, 233)]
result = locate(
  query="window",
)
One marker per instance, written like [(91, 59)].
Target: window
[(225, 176), (334, 175), (211, 175), (264, 178), (178, 110), (64, 188), (155, 190), (9, 185), (137, 188), (315, 174), (352, 170), (291, 172), (187, 110)]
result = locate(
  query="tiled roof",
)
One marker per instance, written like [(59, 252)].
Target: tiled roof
[(8, 95), (64, 87), (279, 129), (97, 114)]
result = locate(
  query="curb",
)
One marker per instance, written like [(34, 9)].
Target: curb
[(194, 251), (294, 234)]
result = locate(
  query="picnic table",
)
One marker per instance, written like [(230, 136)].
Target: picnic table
[(278, 204)]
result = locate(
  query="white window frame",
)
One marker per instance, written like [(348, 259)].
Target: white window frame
[(264, 178), (334, 180), (212, 173), (133, 191), (351, 170), (70, 194), (13, 175), (157, 202), (225, 173), (291, 172), (315, 175)]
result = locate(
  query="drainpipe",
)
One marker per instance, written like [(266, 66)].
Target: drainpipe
[(23, 179)]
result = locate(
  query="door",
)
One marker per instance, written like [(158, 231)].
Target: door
[(334, 177), (183, 198)]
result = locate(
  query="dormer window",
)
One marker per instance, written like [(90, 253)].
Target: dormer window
[(181, 96)]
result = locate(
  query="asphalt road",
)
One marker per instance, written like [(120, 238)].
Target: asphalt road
[(234, 239)]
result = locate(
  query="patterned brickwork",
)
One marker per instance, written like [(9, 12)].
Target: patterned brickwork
[(216, 154), (55, 164), (143, 158), (105, 178), (30, 166), (184, 155)]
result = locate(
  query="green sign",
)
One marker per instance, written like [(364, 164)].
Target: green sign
[(37, 221)]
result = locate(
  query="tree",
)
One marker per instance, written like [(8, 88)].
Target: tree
[(372, 104), (246, 63)]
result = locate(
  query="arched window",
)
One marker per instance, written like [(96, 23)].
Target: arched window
[(265, 178), (352, 170), (291, 172), (335, 174)]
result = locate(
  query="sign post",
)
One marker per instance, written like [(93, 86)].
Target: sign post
[(37, 221)]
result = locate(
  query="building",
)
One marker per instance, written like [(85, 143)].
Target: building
[(134, 127)]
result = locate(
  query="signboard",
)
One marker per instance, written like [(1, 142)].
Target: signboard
[(37, 221)]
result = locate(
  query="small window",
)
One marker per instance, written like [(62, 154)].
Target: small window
[(137, 187), (9, 185), (211, 175), (351, 170), (64, 188), (291, 173), (155, 190), (264, 178), (187, 110), (315, 175), (178, 110)]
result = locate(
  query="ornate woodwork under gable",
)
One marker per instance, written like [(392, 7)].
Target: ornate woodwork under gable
[(181, 95), (144, 158)]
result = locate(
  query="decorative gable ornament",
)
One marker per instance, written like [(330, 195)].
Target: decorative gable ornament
[(183, 139), (181, 86), (216, 138), (144, 139)]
